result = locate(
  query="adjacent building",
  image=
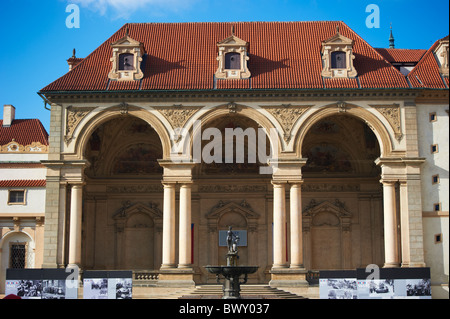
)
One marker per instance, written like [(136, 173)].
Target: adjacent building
[(23, 145)]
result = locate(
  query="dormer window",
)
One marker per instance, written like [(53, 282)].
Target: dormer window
[(337, 57), (232, 58), (126, 59), (442, 54)]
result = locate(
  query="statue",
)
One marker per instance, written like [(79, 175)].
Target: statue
[(232, 241)]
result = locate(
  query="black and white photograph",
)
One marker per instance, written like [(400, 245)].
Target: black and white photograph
[(95, 288), (29, 289), (123, 288), (381, 289), (418, 288), (341, 288), (53, 289)]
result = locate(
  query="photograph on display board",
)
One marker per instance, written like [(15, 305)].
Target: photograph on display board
[(25, 289), (418, 288), (412, 289), (95, 288), (123, 288), (339, 288), (53, 289)]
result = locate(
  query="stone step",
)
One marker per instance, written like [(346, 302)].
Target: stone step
[(246, 291)]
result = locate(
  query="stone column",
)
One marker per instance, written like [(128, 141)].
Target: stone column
[(296, 227), (168, 252), (75, 225), (390, 225), (185, 227), (279, 224), (404, 222)]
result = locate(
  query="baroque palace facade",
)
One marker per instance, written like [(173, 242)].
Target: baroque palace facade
[(358, 174)]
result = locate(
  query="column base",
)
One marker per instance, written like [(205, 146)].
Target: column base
[(391, 265), (288, 277), (176, 277)]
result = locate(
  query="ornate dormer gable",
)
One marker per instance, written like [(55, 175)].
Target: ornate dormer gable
[(337, 57), (233, 57), (126, 59), (442, 53)]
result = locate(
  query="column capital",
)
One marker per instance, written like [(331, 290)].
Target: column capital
[(278, 183), (385, 181)]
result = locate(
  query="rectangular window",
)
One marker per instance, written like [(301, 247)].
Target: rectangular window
[(437, 207), (16, 197), (434, 148), (433, 117), (435, 179), (17, 255), (438, 238)]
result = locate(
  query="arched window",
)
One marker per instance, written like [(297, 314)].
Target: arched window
[(338, 60), (232, 61), (126, 62)]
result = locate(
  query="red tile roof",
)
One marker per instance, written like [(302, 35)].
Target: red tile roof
[(23, 183), (182, 56), (402, 55), (24, 132), (426, 73)]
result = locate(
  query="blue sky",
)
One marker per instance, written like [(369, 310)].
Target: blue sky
[(36, 41)]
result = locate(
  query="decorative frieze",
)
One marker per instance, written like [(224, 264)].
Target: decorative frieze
[(150, 188), (232, 188), (14, 147), (325, 187)]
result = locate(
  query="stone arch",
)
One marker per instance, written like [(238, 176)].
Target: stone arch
[(382, 132), (212, 113), (92, 122)]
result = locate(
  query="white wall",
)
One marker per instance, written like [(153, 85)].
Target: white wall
[(35, 201), (438, 163)]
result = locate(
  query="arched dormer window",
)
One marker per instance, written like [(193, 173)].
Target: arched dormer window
[(337, 57), (126, 59)]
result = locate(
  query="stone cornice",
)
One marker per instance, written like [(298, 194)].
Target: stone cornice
[(232, 95)]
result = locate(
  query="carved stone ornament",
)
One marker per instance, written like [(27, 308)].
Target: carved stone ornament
[(74, 115), (287, 115), (178, 115), (393, 116)]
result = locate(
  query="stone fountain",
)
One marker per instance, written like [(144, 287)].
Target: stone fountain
[(232, 272)]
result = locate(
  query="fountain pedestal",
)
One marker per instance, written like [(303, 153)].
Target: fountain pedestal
[(232, 272)]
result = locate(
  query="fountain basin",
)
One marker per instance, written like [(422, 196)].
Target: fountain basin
[(232, 271)]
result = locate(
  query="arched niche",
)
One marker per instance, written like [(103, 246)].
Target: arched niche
[(137, 231)]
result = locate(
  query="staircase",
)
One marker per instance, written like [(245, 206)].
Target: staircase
[(247, 292)]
